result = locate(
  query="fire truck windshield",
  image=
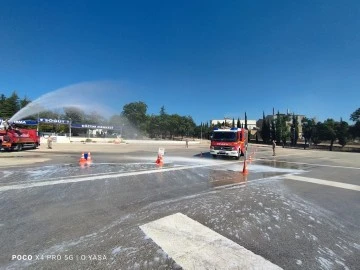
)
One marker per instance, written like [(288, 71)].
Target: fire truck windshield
[(224, 136)]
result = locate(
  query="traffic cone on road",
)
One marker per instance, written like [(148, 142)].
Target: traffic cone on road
[(159, 161), (89, 157), (82, 158), (245, 170)]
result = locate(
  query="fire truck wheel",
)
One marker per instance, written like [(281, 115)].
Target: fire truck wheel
[(19, 147)]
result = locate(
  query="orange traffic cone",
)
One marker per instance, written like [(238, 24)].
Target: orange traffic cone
[(82, 158), (159, 161), (245, 170), (89, 157)]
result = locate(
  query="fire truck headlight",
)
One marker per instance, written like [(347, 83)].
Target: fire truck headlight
[(234, 148)]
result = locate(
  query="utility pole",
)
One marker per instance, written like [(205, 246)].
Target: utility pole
[(37, 127), (70, 129)]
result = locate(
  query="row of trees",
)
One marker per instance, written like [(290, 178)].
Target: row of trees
[(135, 122), (10, 105), (284, 128)]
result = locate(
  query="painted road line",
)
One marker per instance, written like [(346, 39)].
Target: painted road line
[(311, 164), (323, 182), (49, 182), (195, 246)]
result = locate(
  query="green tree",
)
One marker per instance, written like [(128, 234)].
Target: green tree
[(278, 127), (135, 112), (246, 125), (238, 125), (2, 106), (164, 124), (282, 130), (342, 132), (233, 123), (199, 131), (354, 130), (328, 132), (162, 111), (294, 130), (307, 129), (285, 135), (10, 106), (355, 116), (153, 128), (315, 133), (265, 130), (272, 129), (23, 102)]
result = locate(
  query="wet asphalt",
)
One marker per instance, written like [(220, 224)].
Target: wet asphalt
[(59, 215)]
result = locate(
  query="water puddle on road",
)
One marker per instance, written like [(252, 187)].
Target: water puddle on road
[(215, 172), (72, 170)]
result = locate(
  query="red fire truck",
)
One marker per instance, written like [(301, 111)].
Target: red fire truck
[(229, 142), (18, 139)]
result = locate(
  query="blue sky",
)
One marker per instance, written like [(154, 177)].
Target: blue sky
[(207, 59)]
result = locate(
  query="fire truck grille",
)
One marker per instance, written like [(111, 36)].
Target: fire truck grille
[(225, 148)]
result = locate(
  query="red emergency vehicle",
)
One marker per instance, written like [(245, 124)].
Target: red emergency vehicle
[(229, 142), (18, 139)]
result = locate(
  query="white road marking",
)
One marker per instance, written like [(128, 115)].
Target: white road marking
[(50, 182), (311, 164), (195, 246), (323, 182)]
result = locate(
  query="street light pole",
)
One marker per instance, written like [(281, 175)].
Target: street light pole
[(70, 129), (37, 128)]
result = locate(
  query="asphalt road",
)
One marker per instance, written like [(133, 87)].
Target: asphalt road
[(298, 210)]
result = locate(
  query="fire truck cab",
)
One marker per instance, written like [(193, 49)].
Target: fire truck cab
[(229, 142)]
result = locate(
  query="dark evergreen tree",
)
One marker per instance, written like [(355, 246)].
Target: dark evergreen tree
[(307, 129), (10, 106), (246, 126), (273, 129), (265, 130), (342, 132), (328, 132), (294, 130)]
